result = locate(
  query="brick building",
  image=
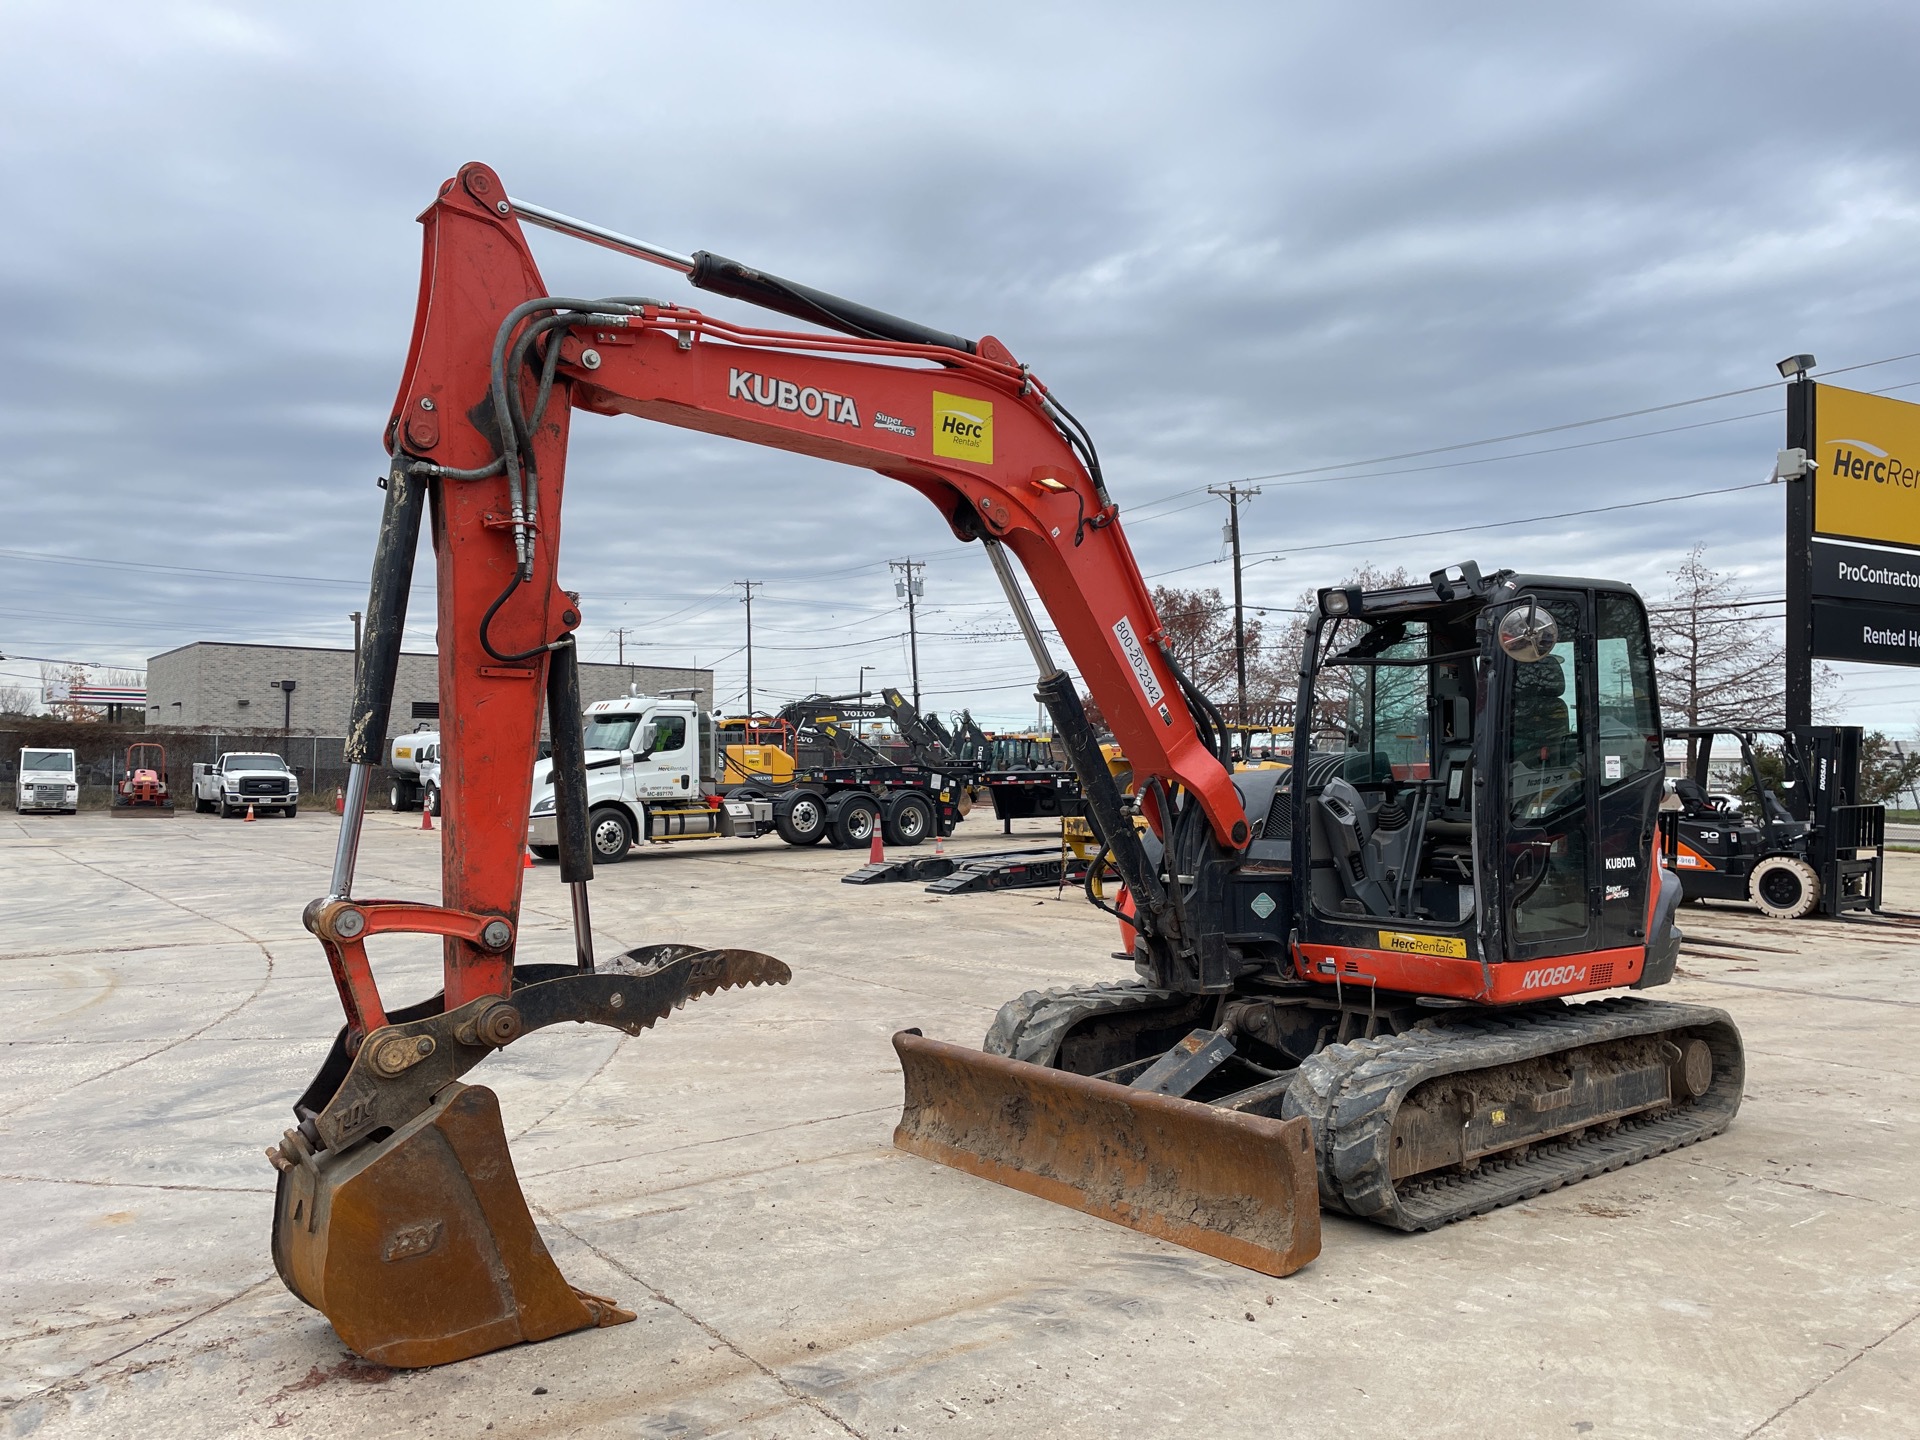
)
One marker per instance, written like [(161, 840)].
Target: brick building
[(212, 685)]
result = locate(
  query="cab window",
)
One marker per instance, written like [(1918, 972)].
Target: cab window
[(669, 734), (1628, 729)]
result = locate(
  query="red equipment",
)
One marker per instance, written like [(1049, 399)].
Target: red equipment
[(1261, 975), (142, 791)]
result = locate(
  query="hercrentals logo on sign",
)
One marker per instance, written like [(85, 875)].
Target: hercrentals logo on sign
[(963, 428), (1859, 460), (1552, 976), (778, 394)]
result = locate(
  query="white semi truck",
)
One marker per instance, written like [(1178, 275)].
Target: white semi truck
[(653, 774), (47, 783)]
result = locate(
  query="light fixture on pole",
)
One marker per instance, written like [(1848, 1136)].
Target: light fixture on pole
[(1795, 367)]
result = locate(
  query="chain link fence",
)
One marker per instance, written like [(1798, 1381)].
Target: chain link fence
[(100, 757)]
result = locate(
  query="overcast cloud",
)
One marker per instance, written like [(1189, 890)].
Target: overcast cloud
[(1236, 240)]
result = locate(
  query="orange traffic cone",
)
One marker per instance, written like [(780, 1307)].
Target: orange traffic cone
[(249, 814), (526, 857), (876, 852), (939, 842), (426, 818), (339, 801)]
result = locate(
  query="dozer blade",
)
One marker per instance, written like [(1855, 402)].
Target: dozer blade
[(1236, 1186), (419, 1247)]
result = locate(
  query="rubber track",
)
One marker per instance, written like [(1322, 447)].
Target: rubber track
[(1032, 1027), (1352, 1093)]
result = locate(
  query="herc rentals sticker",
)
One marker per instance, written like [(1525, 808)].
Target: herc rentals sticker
[(963, 428), (1136, 657), (1423, 944)]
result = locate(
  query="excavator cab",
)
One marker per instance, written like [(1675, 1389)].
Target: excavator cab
[(1486, 771)]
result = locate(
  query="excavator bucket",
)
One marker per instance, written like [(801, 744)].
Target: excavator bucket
[(419, 1247), (1236, 1186)]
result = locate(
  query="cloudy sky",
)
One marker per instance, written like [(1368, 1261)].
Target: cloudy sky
[(1237, 240)]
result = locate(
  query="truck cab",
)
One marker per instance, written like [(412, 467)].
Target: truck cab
[(47, 783), (652, 775)]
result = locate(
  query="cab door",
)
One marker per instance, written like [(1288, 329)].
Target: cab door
[(1550, 863), (1629, 765), (665, 766)]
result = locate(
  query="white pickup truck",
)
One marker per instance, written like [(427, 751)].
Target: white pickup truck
[(242, 778), (47, 782), (651, 772)]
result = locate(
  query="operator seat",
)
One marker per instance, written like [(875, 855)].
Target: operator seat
[(1539, 700), (1693, 798)]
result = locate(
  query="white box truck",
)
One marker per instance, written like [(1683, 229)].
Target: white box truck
[(47, 782)]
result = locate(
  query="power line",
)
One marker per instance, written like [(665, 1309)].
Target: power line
[(1542, 430), (1487, 525)]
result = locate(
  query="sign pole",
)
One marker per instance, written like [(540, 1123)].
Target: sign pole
[(1800, 433)]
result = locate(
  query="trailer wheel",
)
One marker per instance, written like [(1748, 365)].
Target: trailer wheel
[(610, 833), (1784, 887), (853, 826), (909, 821), (801, 818)]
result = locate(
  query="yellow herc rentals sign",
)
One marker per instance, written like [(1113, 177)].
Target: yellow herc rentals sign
[(1853, 534), (1867, 486)]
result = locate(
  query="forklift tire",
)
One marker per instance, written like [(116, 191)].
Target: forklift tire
[(610, 834), (853, 826), (801, 818), (909, 820), (1784, 888)]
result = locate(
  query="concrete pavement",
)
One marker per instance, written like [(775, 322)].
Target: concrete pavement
[(729, 1175)]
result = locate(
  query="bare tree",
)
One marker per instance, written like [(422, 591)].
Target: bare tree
[(1199, 626), (17, 700), (1719, 663)]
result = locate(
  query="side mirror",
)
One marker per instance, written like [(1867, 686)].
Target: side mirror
[(649, 735), (1528, 633)]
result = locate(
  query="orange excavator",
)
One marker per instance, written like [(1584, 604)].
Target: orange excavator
[(1351, 976)]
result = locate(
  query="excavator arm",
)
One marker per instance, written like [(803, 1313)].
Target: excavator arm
[(478, 443)]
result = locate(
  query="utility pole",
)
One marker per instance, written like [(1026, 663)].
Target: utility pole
[(750, 586), (1233, 495), (620, 638), (909, 586)]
